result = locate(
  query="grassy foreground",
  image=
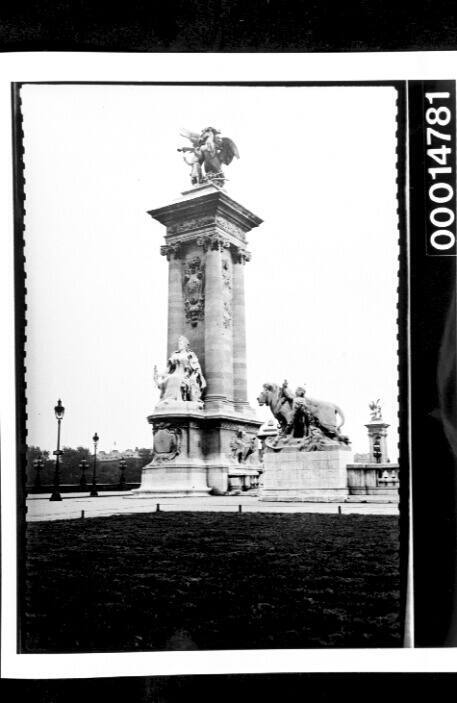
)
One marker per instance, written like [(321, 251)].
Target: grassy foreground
[(171, 581)]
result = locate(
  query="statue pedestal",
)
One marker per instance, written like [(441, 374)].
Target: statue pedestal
[(193, 452), (298, 476), (172, 481)]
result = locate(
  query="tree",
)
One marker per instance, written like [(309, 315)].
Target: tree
[(145, 455), (108, 472), (33, 453), (69, 463)]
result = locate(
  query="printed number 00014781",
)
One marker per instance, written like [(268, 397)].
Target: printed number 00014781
[(441, 191)]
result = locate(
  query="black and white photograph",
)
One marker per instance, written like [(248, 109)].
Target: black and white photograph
[(220, 400), (211, 367)]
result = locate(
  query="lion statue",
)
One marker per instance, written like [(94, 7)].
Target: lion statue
[(299, 416)]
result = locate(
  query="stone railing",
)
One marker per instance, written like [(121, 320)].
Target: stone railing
[(373, 479)]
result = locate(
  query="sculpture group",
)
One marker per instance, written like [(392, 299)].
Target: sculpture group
[(207, 437), (375, 410), (183, 380), (306, 423), (208, 152)]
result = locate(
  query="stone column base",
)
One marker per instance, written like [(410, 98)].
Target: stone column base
[(193, 453), (297, 476), (172, 482)]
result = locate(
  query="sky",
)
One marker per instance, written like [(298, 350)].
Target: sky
[(317, 164)]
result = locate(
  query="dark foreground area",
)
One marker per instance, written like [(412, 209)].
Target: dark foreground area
[(171, 581)]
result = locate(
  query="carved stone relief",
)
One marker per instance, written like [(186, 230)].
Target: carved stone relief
[(190, 224), (242, 446), (167, 442), (213, 241), (230, 228), (194, 290), (227, 292), (227, 274), (227, 315)]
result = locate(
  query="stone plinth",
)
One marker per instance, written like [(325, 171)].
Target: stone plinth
[(178, 467), (169, 481), (192, 452), (373, 479), (299, 476)]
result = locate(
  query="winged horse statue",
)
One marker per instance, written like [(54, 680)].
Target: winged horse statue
[(209, 151)]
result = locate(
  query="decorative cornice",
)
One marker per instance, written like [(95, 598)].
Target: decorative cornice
[(190, 225), (230, 228), (214, 208)]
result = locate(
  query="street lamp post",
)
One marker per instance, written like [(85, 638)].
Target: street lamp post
[(59, 412), (83, 465), (94, 492), (122, 465), (38, 465)]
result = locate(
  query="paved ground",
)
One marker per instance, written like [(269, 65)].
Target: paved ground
[(114, 503)]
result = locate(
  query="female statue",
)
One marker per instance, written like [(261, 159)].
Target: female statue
[(183, 379)]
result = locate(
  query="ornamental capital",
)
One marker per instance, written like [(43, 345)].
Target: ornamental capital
[(171, 251), (241, 255), (213, 241)]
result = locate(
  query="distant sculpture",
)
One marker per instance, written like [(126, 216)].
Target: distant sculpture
[(183, 379), (313, 422), (209, 150), (375, 408)]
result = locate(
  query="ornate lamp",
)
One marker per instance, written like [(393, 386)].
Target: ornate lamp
[(59, 411), (83, 465), (94, 492), (37, 465), (122, 466)]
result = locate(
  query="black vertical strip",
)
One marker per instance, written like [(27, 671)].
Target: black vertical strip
[(20, 338), (433, 397)]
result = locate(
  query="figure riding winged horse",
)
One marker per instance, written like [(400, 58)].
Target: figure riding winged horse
[(210, 150)]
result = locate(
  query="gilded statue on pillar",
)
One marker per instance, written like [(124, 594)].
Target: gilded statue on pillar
[(183, 380), (208, 152), (375, 410)]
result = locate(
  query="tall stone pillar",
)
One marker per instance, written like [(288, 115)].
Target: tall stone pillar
[(217, 392), (175, 297), (377, 437), (198, 445), (240, 391)]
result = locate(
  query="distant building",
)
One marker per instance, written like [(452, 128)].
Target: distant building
[(361, 458), (116, 455)]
